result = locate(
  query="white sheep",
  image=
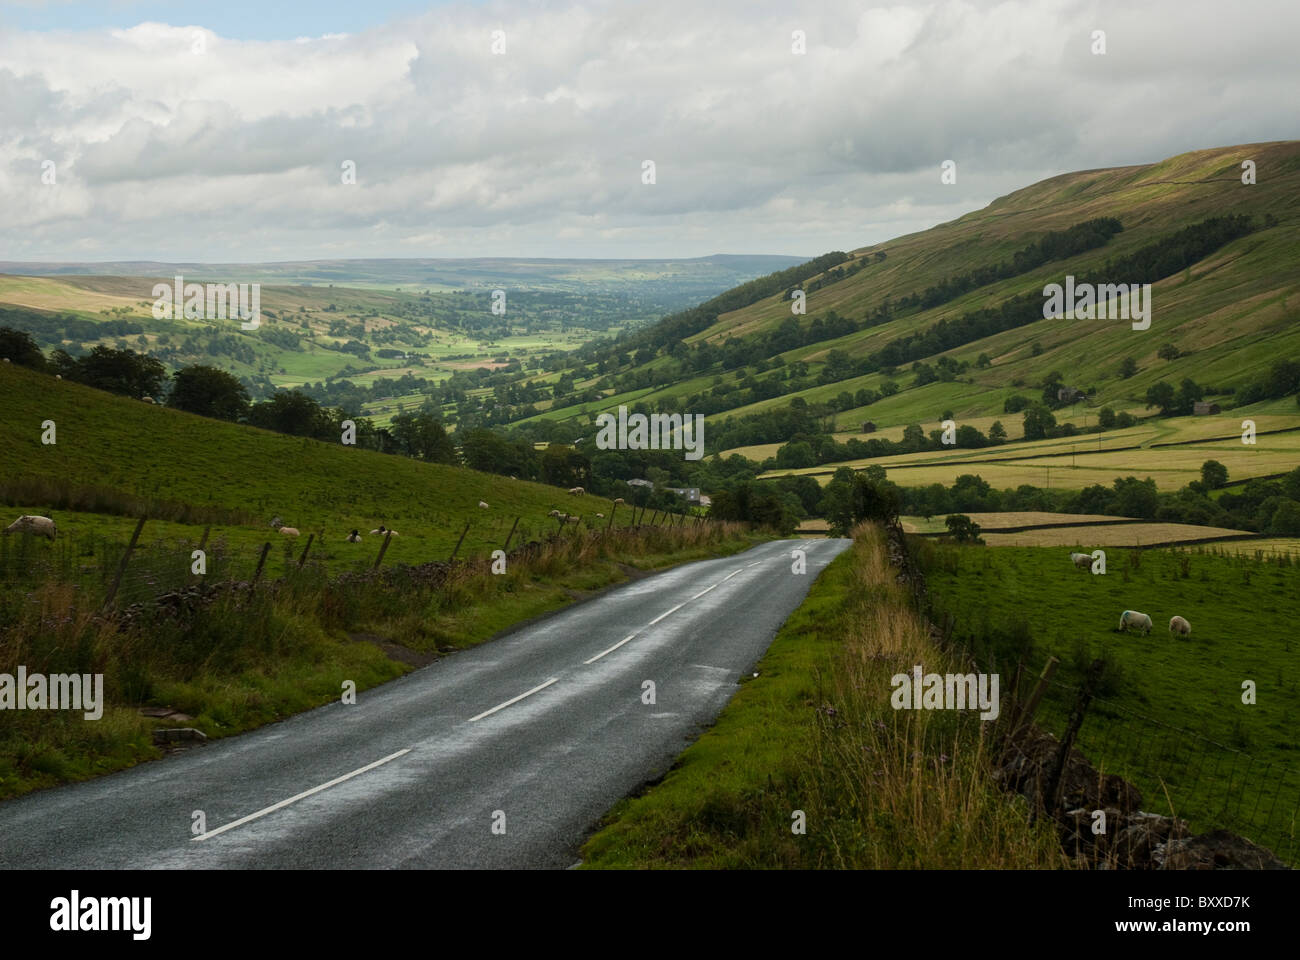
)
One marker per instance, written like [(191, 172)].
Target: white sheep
[(354, 537), (600, 516), (554, 513), (289, 531), (482, 505), (39, 526), (1131, 618), (382, 530), (1180, 626), (619, 500), (1081, 560), (577, 491), (147, 399), (574, 519)]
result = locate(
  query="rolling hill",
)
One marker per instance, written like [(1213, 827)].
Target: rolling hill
[(1227, 306)]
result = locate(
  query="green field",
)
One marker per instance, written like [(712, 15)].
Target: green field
[(1242, 617), (150, 454)]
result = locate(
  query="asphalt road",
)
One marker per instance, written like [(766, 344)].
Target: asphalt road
[(538, 732)]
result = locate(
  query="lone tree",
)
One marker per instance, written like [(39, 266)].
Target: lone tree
[(963, 529), (1128, 368), (1213, 474)]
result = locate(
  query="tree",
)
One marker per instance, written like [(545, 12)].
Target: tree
[(1214, 474), (983, 362), (1164, 396), (1038, 422), (1106, 418), (1286, 520), (1135, 498), (18, 346), (963, 529), (422, 436), (208, 392), (1128, 368), (117, 371), (291, 412), (997, 433), (1168, 352)]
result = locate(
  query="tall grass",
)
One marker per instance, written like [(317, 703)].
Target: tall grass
[(815, 732), (232, 656)]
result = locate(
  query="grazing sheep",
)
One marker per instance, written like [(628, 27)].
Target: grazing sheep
[(40, 526), (381, 531), (574, 519), (147, 399), (58, 376), (619, 500), (354, 537), (1131, 618), (1081, 560), (289, 531), (1180, 626), (482, 505), (601, 516), (6, 359), (554, 513), (577, 491)]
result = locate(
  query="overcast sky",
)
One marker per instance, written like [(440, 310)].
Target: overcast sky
[(204, 131)]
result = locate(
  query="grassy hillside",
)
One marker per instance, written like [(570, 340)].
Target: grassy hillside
[(244, 477), (1229, 315)]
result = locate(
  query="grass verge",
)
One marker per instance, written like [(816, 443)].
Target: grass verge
[(815, 733), (246, 659)]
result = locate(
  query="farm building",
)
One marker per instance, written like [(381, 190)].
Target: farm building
[(1069, 394), (689, 494), (1203, 408)]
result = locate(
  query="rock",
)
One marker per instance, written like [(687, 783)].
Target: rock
[(1220, 850)]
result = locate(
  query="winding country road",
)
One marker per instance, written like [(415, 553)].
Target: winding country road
[(545, 725)]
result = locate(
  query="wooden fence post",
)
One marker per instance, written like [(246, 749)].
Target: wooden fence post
[(117, 581), (383, 548), (456, 549), (310, 538), (266, 548), (506, 548), (1071, 731), (1031, 707), (611, 516)]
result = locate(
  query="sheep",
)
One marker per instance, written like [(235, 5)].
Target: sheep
[(554, 513), (1131, 618), (285, 531), (1180, 626), (6, 359), (600, 516), (574, 519), (577, 491), (40, 526), (147, 399), (482, 505), (354, 537), (382, 530), (619, 500), (1081, 560)]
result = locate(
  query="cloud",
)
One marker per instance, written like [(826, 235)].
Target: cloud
[(172, 142)]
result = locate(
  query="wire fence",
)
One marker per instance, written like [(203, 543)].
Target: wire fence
[(1179, 773), (103, 570)]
